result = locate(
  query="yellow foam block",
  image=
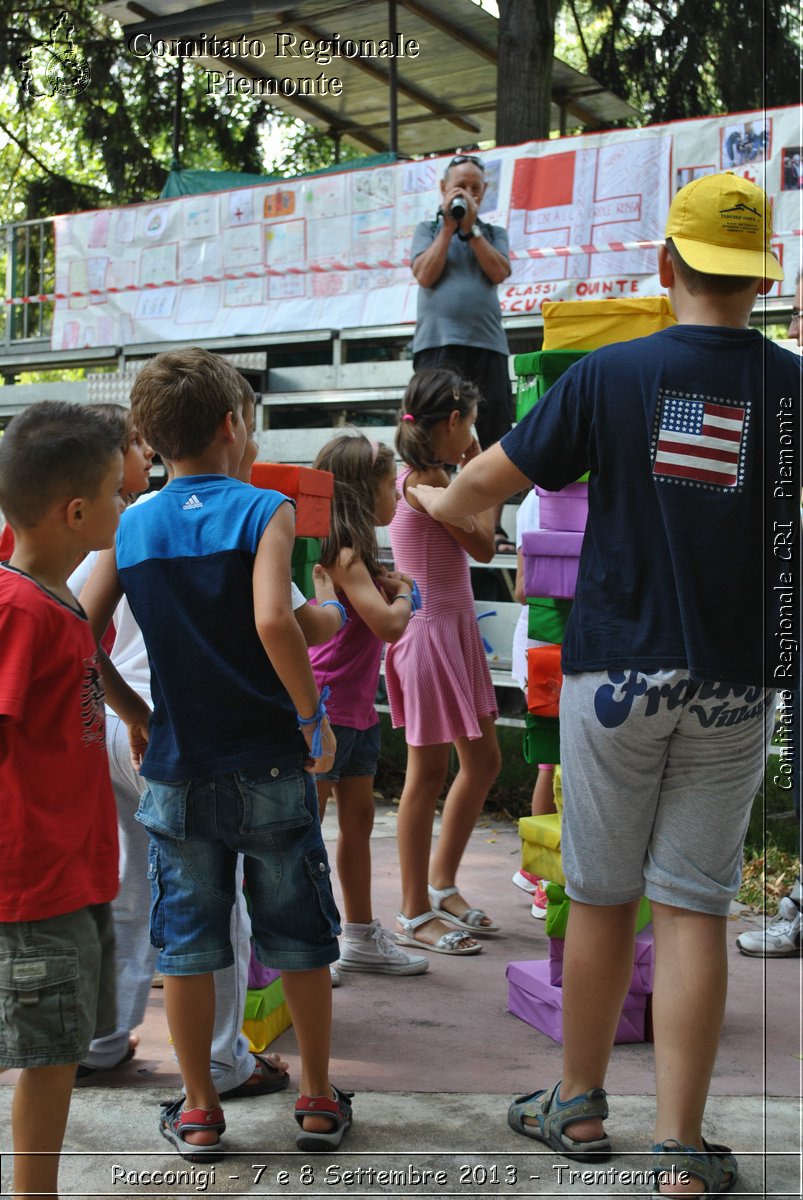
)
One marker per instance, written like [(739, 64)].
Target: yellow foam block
[(588, 324), (557, 787), (543, 862), (542, 831), (264, 1030)]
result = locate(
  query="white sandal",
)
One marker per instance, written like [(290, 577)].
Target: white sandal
[(470, 920), (447, 943)]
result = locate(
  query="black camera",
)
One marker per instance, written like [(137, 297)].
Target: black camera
[(458, 208)]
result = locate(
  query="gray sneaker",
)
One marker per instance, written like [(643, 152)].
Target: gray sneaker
[(371, 948), (779, 939)]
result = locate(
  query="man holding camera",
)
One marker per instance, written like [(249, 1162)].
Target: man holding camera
[(458, 261)]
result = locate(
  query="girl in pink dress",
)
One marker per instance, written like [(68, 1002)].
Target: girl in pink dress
[(376, 606), (438, 681)]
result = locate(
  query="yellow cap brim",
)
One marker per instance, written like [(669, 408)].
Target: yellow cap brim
[(724, 260)]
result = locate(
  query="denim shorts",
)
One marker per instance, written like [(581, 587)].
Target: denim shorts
[(197, 828), (357, 752), (56, 987)]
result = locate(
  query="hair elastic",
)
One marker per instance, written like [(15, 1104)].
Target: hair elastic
[(316, 749), (408, 417), (340, 608), (374, 449)]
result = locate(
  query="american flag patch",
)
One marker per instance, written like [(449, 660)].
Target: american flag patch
[(699, 440)]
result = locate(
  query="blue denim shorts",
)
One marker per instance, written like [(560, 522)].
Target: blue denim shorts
[(197, 828), (357, 752), (56, 987)]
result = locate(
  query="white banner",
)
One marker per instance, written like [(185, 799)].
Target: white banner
[(332, 251)]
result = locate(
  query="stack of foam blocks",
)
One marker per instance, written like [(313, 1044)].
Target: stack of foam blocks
[(266, 1011), (312, 493)]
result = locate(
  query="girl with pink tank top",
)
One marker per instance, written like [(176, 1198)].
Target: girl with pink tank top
[(377, 606), (439, 685)]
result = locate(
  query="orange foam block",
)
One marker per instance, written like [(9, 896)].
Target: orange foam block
[(311, 490)]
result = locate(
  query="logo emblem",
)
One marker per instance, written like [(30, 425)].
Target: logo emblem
[(56, 67)]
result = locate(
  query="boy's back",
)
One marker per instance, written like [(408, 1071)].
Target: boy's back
[(185, 562), (58, 836)]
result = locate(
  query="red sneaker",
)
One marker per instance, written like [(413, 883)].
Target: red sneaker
[(538, 909), (526, 881)]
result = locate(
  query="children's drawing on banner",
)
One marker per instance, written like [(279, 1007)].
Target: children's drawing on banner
[(124, 225), (372, 189), (287, 287), (490, 201), (792, 168), (99, 229), (156, 306), (279, 203), (372, 235), (285, 244), (239, 207), (159, 264), (199, 305), (326, 197), (200, 216), (421, 177), (411, 209), (200, 258), (122, 273), (328, 241), (154, 221), (96, 268), (78, 282), (242, 247), (243, 293), (747, 142)]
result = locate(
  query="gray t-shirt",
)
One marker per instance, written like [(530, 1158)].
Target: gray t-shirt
[(462, 308)]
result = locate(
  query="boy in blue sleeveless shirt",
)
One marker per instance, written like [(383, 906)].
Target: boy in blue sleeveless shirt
[(685, 621), (238, 728)]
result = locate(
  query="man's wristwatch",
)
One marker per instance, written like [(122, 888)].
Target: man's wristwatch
[(473, 232)]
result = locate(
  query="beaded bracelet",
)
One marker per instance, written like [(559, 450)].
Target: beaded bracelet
[(336, 604), (316, 719)]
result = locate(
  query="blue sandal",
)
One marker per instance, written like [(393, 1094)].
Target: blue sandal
[(553, 1115), (714, 1166)]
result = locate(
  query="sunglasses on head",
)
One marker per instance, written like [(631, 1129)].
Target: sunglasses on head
[(466, 158)]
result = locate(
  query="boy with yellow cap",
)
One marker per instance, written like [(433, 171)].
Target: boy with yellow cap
[(685, 621)]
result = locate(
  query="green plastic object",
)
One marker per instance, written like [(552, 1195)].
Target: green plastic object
[(546, 619), (541, 739), (306, 552), (557, 911), (536, 372)]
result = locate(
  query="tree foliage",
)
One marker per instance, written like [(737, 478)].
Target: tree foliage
[(691, 58)]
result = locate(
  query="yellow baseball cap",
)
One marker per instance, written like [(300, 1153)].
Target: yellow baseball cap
[(722, 225)]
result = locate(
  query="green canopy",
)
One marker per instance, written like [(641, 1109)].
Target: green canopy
[(190, 183)]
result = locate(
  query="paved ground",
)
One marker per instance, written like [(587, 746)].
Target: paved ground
[(434, 1061)]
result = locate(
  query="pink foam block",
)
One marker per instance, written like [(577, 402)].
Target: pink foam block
[(551, 560), (564, 510), (532, 998), (643, 962)]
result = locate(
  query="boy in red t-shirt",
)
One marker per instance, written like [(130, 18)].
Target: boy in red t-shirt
[(60, 474)]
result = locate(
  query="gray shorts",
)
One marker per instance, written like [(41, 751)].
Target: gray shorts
[(56, 987), (659, 776)]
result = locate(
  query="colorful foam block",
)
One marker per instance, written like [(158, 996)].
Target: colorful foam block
[(312, 491), (536, 372), (306, 552), (533, 999), (260, 977), (643, 962), (541, 739), (541, 831), (551, 560), (557, 911), (564, 510), (540, 846), (546, 618), (544, 679), (266, 1015), (588, 324)]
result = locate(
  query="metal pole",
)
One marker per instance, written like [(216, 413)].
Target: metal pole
[(392, 82), (176, 163)]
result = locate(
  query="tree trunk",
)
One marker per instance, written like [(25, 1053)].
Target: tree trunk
[(524, 69)]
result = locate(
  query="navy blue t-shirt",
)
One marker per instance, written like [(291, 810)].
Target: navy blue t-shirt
[(185, 562), (692, 440)]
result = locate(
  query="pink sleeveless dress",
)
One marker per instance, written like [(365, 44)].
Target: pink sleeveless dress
[(437, 675)]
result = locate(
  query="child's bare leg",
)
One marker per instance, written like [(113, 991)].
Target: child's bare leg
[(309, 999), (480, 763), (691, 976), (190, 1010), (597, 968), (324, 790), (39, 1112), (355, 818), (543, 801), (423, 781)]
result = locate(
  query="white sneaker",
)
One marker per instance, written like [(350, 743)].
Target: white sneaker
[(779, 939), (334, 974), (371, 948)]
